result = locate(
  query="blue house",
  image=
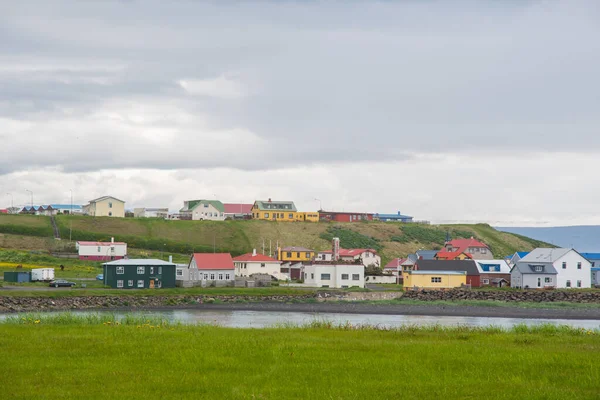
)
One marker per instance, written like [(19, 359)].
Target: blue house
[(393, 217), (594, 258)]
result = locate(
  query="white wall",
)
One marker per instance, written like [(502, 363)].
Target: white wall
[(104, 250), (209, 213), (380, 279), (571, 273), (368, 258), (531, 280), (217, 274), (313, 275), (247, 268)]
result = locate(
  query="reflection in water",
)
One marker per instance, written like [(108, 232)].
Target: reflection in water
[(262, 319)]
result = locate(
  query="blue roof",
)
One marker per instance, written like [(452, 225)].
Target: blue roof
[(591, 256), (595, 268), (522, 253), (66, 206)]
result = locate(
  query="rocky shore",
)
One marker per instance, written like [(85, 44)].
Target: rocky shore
[(533, 296)]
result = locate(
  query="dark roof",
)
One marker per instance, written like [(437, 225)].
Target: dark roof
[(449, 265), (529, 268), (426, 254)]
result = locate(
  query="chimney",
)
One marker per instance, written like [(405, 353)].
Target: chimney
[(170, 259), (254, 253), (112, 239), (335, 249), (269, 199)]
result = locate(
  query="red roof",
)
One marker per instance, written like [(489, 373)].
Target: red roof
[(249, 257), (4, 211), (99, 243), (237, 208), (463, 244), (213, 260), (450, 255), (395, 263)]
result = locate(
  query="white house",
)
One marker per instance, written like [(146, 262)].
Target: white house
[(369, 257), (253, 263), (214, 267), (203, 210), (101, 251), (334, 275), (538, 275), (150, 212), (573, 270)]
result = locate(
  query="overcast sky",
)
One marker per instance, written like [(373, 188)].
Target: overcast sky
[(448, 111)]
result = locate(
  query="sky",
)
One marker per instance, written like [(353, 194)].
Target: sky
[(449, 111)]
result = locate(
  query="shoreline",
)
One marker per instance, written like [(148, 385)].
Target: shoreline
[(361, 308)]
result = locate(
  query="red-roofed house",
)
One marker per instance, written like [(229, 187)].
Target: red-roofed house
[(101, 251), (471, 248), (238, 210), (217, 267), (394, 267), (254, 263), (368, 256)]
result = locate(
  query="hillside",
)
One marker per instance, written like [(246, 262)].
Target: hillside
[(391, 239)]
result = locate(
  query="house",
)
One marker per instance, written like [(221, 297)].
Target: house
[(394, 268), (253, 263), (46, 210), (139, 274), (473, 277), (594, 259), (202, 210), (399, 217), (214, 267), (452, 255), (596, 276), (151, 212), (336, 216), (525, 275), (105, 206), (238, 210), (515, 258), (67, 208), (471, 248), (493, 272), (101, 251), (573, 270), (295, 254), (424, 279), (368, 257), (334, 275)]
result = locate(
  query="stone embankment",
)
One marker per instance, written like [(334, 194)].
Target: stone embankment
[(534, 296)]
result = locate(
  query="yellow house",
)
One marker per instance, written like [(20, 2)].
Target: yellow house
[(105, 206), (284, 211), (433, 279), (295, 254)]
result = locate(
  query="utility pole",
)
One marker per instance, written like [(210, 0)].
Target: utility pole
[(263, 246), (320, 204), (270, 253), (27, 190)]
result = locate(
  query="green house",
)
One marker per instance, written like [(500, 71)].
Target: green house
[(139, 274)]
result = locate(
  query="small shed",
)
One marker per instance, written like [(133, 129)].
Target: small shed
[(18, 277)]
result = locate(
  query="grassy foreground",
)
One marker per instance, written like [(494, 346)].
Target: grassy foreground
[(94, 357)]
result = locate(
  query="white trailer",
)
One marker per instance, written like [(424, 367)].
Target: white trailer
[(42, 274)]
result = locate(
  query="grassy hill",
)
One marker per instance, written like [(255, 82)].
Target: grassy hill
[(237, 237)]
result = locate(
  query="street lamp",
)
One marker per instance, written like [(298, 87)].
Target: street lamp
[(27, 190)]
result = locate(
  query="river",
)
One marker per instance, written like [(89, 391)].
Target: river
[(265, 319)]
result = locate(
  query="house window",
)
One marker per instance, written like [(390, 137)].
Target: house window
[(288, 254), (291, 216), (344, 277), (325, 277), (140, 283), (120, 270), (568, 283), (538, 268), (483, 250), (307, 255), (205, 205), (312, 276), (578, 265), (130, 283), (212, 277), (486, 281), (227, 276), (109, 205), (298, 255), (119, 283), (205, 277), (141, 270), (436, 279), (356, 277), (220, 277), (262, 265), (159, 270), (151, 270), (564, 265), (110, 213), (266, 215), (179, 272), (578, 283), (99, 249), (547, 280)]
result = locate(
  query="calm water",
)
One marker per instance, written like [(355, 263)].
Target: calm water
[(262, 319)]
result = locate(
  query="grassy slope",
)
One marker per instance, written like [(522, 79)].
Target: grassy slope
[(185, 362), (238, 237)]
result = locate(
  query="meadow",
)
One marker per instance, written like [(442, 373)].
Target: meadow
[(100, 357)]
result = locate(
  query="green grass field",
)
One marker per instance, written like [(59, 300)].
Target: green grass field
[(96, 358)]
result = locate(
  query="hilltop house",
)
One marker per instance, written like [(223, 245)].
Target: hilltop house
[(337, 216), (105, 206), (238, 210), (39, 210), (460, 249), (202, 210), (368, 257), (146, 212), (399, 217), (573, 270), (254, 263)]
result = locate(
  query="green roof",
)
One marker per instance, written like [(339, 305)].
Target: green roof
[(275, 205), (215, 203)]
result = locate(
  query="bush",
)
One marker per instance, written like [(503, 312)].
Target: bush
[(350, 239)]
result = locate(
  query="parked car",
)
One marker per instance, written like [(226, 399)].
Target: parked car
[(61, 283), (100, 277)]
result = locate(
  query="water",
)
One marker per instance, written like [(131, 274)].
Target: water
[(264, 319)]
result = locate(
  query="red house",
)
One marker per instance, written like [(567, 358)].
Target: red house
[(237, 210), (335, 216)]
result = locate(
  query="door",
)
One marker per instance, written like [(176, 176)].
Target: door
[(539, 282), (151, 283)]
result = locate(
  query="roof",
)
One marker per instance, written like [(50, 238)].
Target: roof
[(529, 268), (451, 255), (344, 213), (215, 203), (138, 261), (66, 206), (427, 272), (448, 265), (595, 269), (237, 208), (522, 254), (395, 263), (545, 255), (591, 256), (393, 216), (84, 243), (105, 198), (250, 257), (349, 252), (500, 266), (294, 248), (213, 260), (463, 244), (425, 254), (275, 205)]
